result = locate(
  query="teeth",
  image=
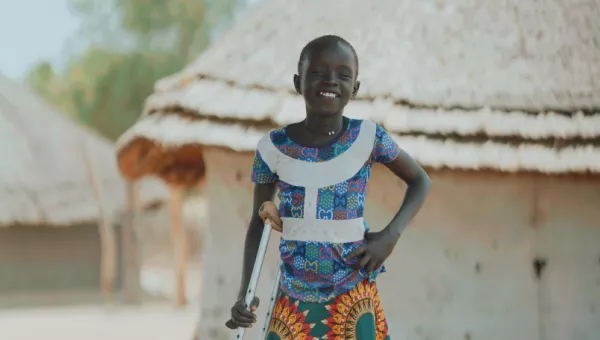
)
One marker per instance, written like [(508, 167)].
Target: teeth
[(328, 94)]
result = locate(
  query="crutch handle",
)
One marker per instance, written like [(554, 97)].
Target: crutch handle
[(269, 213)]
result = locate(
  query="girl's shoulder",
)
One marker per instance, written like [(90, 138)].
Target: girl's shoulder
[(272, 134), (376, 127), (277, 135), (268, 142)]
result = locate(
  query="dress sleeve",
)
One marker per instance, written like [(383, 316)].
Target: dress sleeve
[(385, 149), (261, 173)]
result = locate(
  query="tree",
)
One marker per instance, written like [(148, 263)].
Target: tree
[(131, 44), (44, 80)]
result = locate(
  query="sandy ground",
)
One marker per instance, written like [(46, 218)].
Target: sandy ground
[(148, 322), (92, 321)]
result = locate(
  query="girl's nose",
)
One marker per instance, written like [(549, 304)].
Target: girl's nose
[(329, 79)]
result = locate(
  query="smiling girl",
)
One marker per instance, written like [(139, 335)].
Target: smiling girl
[(321, 167)]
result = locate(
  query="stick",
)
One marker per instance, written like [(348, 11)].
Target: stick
[(179, 243), (108, 247)]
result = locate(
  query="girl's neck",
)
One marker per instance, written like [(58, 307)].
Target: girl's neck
[(324, 125)]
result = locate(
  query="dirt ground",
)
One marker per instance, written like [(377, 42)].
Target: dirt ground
[(148, 322), (82, 316)]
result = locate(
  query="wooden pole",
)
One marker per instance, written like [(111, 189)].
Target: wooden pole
[(131, 262), (180, 244), (202, 187), (108, 247)]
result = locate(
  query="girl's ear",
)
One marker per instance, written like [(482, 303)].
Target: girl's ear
[(297, 83), (355, 89)]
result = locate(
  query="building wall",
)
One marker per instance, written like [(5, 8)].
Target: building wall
[(465, 269), (49, 259)]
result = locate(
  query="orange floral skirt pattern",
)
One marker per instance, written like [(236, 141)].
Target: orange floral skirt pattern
[(357, 314)]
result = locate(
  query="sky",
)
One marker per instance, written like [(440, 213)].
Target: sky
[(32, 31)]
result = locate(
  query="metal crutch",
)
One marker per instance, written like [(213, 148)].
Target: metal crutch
[(269, 213), (274, 293)]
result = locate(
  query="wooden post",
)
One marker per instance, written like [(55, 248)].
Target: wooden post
[(202, 187), (180, 244), (108, 247), (132, 292)]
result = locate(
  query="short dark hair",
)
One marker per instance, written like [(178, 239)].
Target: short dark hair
[(322, 41)]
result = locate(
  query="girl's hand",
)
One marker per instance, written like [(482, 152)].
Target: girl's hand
[(374, 252), (242, 317)]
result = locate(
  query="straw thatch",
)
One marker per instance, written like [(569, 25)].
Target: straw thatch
[(141, 155), (505, 85), (44, 171)]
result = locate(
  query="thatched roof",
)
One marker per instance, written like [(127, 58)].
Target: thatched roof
[(505, 85), (44, 174)]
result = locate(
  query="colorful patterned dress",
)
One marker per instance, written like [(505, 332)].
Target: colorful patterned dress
[(322, 198)]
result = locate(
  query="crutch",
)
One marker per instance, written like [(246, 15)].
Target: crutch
[(270, 215), (274, 293)]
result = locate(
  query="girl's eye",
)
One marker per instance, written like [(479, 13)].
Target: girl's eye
[(345, 76)]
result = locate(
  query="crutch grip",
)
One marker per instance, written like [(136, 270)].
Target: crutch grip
[(269, 213)]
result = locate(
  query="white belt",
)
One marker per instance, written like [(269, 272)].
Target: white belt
[(332, 231)]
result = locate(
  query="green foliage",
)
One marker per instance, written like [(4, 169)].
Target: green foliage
[(41, 79), (44, 81), (127, 83), (133, 43)]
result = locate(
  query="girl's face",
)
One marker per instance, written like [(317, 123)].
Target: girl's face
[(327, 80)]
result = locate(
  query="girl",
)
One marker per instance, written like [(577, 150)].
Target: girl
[(321, 167)]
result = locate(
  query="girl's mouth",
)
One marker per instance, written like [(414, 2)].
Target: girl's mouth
[(328, 94)]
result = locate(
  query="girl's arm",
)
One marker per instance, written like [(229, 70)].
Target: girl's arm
[(262, 193), (380, 245), (240, 315), (419, 184)]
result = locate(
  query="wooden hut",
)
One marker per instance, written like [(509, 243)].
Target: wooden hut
[(500, 100), (58, 182)]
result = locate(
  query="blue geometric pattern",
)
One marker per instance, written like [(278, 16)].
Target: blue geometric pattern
[(318, 271), (291, 200)]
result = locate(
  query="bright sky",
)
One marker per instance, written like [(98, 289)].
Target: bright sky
[(32, 31), (36, 30)]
